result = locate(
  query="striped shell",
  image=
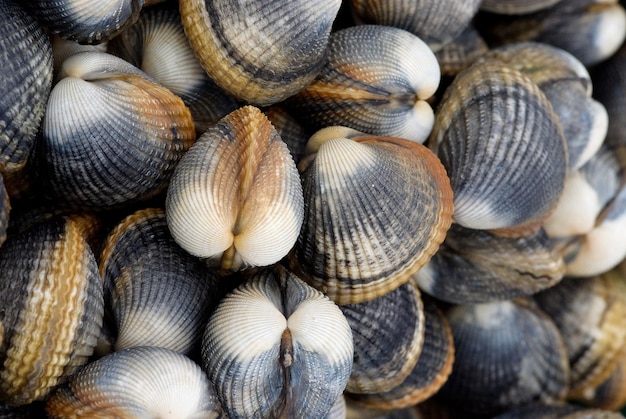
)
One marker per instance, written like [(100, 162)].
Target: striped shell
[(503, 148), (276, 347), (111, 136), (260, 51), (236, 195), (461, 52), (52, 308), (377, 209), (158, 294), (516, 7), (141, 382), (377, 80)]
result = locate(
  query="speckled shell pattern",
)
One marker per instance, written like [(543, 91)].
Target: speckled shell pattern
[(276, 347), (52, 308), (156, 293), (377, 208), (26, 74)]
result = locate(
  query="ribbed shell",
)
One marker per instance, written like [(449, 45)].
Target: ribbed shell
[(52, 308), (5, 209), (236, 195), (290, 130), (376, 80), (141, 382), (611, 394), (430, 373), (377, 208), (26, 75), (436, 22), (516, 7), (388, 334), (589, 313), (260, 51), (461, 52), (111, 136), (474, 266), (503, 149), (86, 21), (275, 347), (157, 44), (158, 294), (507, 354), (63, 48)]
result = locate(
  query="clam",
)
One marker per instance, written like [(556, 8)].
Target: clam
[(474, 266), (376, 209), (157, 294), (63, 48), (137, 382), (111, 135), (508, 353), (290, 130), (461, 52), (236, 196), (260, 51), (377, 80), (540, 410), (611, 393), (26, 74), (436, 22), (157, 44), (516, 7), (52, 308), (503, 148), (275, 347)]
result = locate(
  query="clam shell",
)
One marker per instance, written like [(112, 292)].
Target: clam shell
[(539, 410), (290, 130), (376, 80), (436, 22), (137, 382), (236, 195), (503, 149), (157, 44), (611, 394), (461, 52), (388, 333), (516, 7), (377, 209), (260, 51), (52, 308), (158, 294), (63, 48), (26, 75), (111, 136), (275, 347), (589, 313), (474, 266), (508, 353)]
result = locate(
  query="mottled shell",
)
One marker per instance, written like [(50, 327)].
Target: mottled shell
[(541, 410), (111, 136), (516, 7), (436, 22), (376, 80), (461, 52), (141, 382), (611, 393), (503, 149), (260, 51), (377, 208), (85, 21), (507, 354), (589, 313), (388, 334), (157, 44), (52, 308), (430, 373), (157, 294), (236, 195), (276, 347), (474, 266), (26, 75)]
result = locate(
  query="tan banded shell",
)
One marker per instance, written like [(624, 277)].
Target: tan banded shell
[(503, 149), (377, 209), (26, 75), (141, 382), (508, 353), (260, 51), (611, 393), (388, 334), (52, 308), (111, 135), (157, 294), (236, 196), (276, 347), (474, 266), (377, 80)]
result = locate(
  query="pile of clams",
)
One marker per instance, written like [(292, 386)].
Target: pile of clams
[(330, 209)]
